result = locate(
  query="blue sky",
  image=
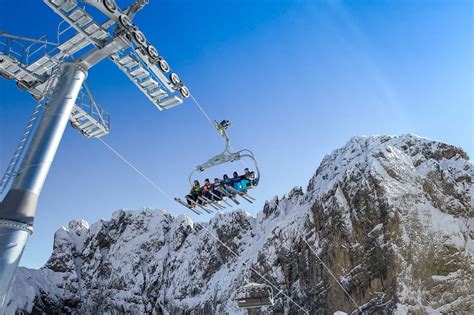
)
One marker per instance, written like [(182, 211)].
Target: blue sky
[(296, 78)]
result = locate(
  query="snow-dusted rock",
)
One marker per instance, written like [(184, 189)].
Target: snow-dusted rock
[(392, 217)]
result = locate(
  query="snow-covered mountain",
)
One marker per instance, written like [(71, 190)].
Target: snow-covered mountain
[(392, 217)]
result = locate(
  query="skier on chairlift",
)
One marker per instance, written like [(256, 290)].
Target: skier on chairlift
[(216, 195), (238, 185), (206, 188), (194, 194), (249, 177), (226, 182)]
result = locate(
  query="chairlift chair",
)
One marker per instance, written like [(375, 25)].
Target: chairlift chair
[(225, 157), (254, 295)]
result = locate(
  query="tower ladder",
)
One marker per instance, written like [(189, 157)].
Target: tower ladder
[(11, 172)]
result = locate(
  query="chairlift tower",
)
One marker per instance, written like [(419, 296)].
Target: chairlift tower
[(56, 80)]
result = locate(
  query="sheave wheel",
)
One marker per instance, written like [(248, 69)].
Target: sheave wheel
[(164, 66), (85, 134), (125, 21), (152, 52), (6, 76), (139, 37), (175, 79), (184, 91), (110, 5), (73, 125)]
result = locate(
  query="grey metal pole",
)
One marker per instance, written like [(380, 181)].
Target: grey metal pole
[(28, 39), (18, 208)]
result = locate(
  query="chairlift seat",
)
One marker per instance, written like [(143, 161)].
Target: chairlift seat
[(254, 295)]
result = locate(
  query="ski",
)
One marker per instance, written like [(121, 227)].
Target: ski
[(221, 198), (241, 194), (206, 202), (223, 191), (187, 206), (197, 204), (213, 203)]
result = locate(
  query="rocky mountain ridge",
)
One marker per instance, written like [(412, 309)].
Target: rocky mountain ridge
[(392, 217)]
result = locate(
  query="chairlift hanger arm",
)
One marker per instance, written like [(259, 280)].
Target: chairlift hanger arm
[(222, 129)]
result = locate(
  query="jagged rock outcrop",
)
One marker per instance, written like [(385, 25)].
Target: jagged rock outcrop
[(392, 217)]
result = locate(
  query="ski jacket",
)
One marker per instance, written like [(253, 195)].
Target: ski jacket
[(196, 188), (206, 187)]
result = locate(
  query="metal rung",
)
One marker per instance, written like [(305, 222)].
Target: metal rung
[(21, 75), (126, 60), (66, 5), (86, 125), (91, 28), (5, 64), (91, 129), (170, 102), (77, 14), (38, 63), (78, 115), (132, 64), (83, 20), (7, 61), (100, 34), (157, 93), (139, 73), (13, 68), (149, 84), (81, 118), (99, 133)]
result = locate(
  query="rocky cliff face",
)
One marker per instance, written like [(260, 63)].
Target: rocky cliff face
[(392, 217)]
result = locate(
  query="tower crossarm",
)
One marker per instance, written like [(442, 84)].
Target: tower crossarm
[(139, 60)]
